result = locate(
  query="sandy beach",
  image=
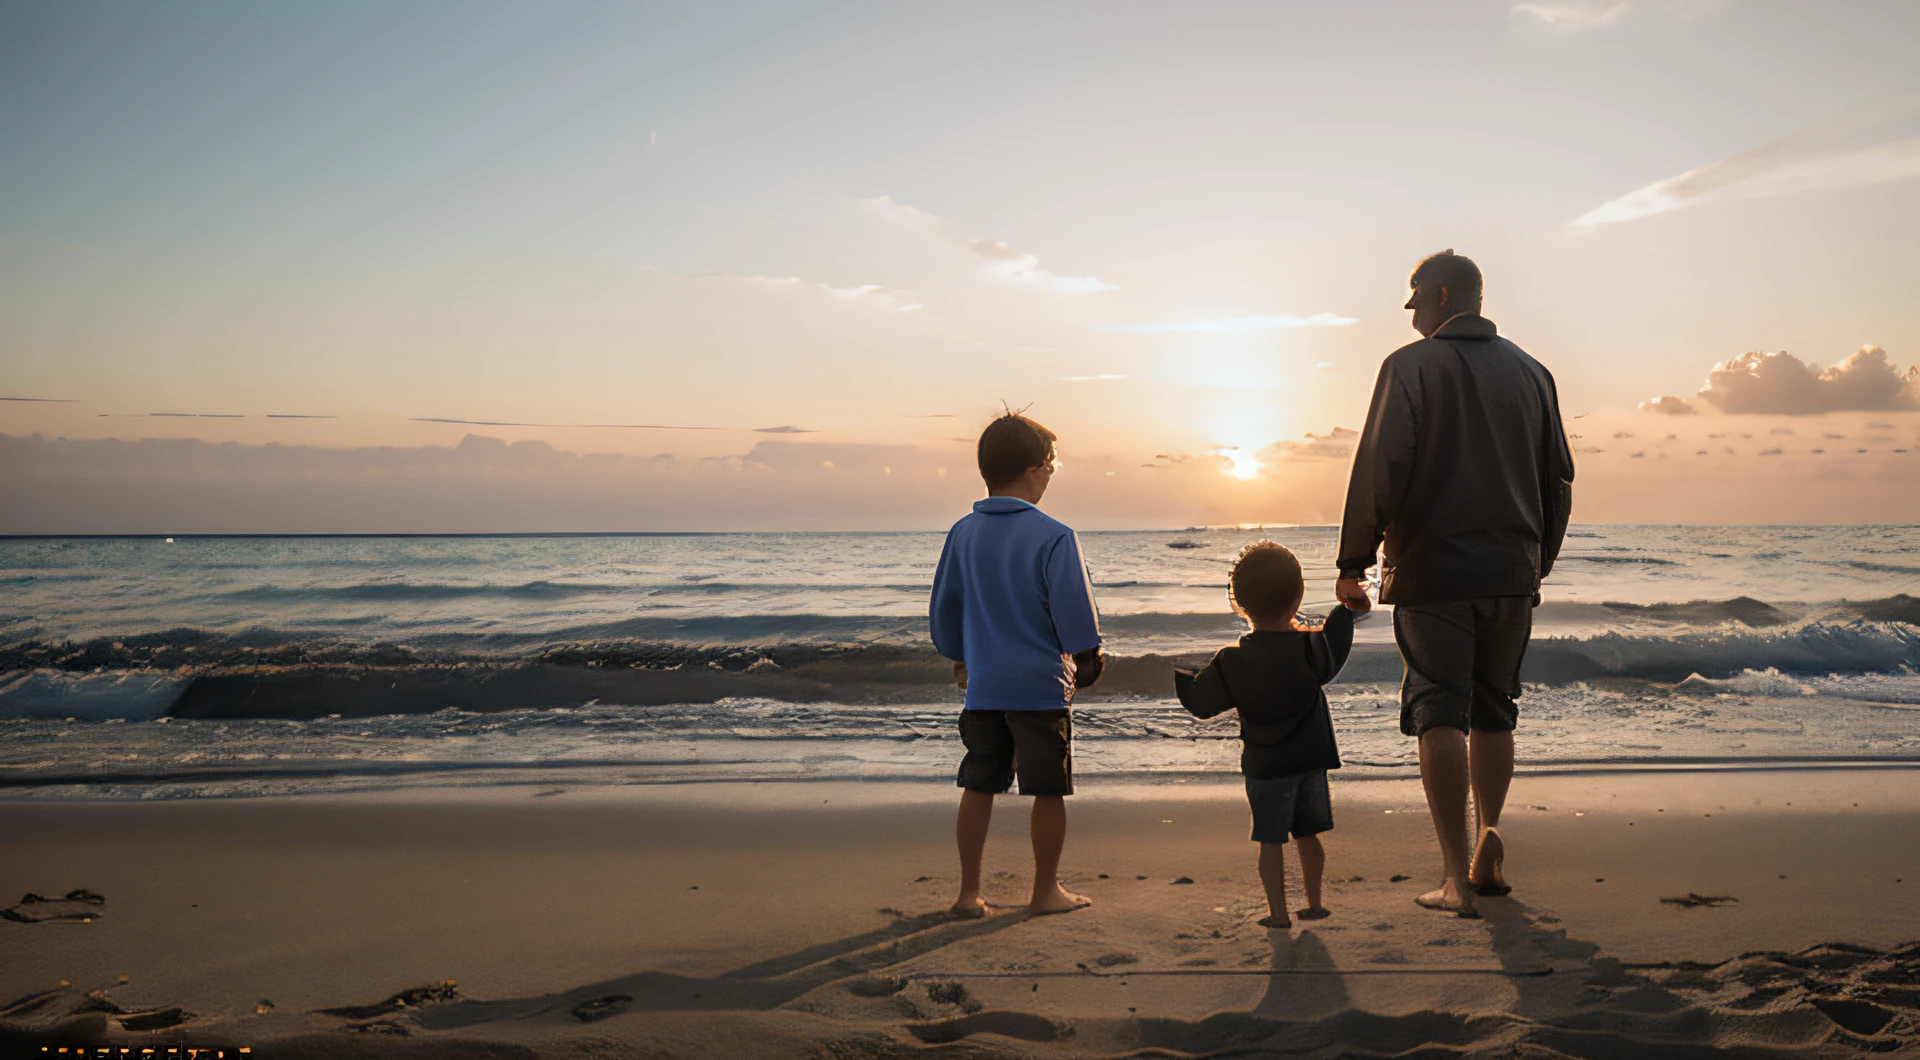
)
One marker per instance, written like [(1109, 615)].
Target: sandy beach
[(806, 920)]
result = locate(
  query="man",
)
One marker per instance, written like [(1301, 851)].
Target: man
[(1463, 470)]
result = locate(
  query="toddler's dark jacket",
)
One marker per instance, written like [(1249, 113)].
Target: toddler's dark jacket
[(1274, 679)]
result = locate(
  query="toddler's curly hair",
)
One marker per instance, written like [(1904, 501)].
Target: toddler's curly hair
[(1266, 584)]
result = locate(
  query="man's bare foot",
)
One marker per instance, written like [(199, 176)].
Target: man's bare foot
[(1453, 896), (1313, 912), (970, 908), (1274, 923), (1486, 875), (1058, 900)]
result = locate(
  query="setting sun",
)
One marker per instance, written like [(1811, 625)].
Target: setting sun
[(1242, 463)]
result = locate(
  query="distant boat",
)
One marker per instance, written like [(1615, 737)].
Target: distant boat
[(1183, 544)]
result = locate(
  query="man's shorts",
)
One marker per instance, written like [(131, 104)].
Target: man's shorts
[(1035, 744), (1299, 805), (1463, 663)]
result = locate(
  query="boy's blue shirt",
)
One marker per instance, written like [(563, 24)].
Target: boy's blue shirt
[(1010, 599)]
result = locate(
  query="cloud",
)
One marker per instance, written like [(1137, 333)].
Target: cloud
[(1021, 267), (173, 415), (1669, 405), (50, 401), (1572, 14), (910, 217), (1240, 325), (1004, 261), (1851, 155), (1337, 444), (890, 299), (1088, 378), (602, 426), (1782, 384), (1575, 15)]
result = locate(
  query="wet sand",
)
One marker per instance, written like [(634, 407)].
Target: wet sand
[(805, 920)]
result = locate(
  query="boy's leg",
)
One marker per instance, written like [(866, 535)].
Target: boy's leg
[(1049, 831), (986, 770), (970, 830), (1273, 879), (1313, 868), (1043, 752)]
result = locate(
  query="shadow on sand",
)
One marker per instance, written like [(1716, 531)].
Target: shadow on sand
[(757, 987)]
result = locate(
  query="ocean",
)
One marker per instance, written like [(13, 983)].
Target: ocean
[(234, 666)]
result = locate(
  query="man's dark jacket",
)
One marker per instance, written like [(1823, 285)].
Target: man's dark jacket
[(1274, 679), (1462, 469)]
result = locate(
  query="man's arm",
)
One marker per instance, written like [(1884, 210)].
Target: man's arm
[(1556, 482), (1382, 467), (1204, 693), (946, 612)]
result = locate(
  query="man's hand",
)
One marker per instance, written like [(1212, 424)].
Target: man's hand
[(960, 675), (1352, 592)]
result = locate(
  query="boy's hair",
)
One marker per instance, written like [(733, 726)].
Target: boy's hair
[(1010, 446), (1266, 585)]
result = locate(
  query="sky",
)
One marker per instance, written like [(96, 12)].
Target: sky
[(486, 266)]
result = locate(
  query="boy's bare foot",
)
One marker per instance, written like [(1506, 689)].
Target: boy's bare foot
[(1453, 896), (1486, 875), (1313, 912), (970, 908), (1274, 923), (1059, 900)]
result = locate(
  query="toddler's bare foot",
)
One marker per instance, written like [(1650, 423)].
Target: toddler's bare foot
[(1453, 896), (1058, 900), (970, 907), (1486, 875), (1275, 923), (1313, 912)]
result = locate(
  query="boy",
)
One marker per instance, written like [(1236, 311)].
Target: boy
[(1274, 678), (1013, 608)]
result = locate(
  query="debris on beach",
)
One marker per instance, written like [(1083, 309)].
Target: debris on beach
[(78, 904), (1692, 900), (154, 1019), (600, 1008), (419, 995), (951, 993)]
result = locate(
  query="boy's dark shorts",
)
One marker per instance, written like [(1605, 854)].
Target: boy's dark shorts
[(1035, 744), (1299, 805), (1463, 663)]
